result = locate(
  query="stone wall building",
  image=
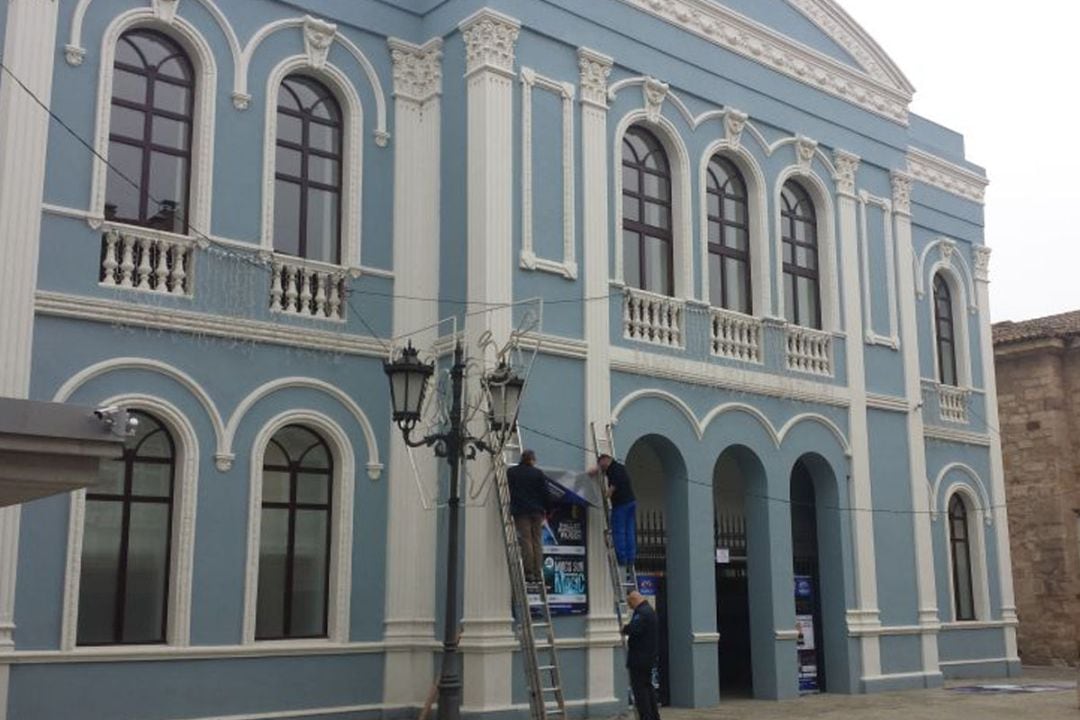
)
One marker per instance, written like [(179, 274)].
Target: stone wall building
[(1038, 370)]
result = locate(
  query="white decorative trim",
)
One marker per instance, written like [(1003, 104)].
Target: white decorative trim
[(704, 638), (958, 280), (980, 588), (847, 168), (341, 532), (892, 340), (701, 426), (956, 436), (185, 493), (950, 256), (756, 193), (352, 152), (489, 41), (142, 653), (567, 267), (981, 502), (594, 70), (978, 624), (682, 201), (847, 33), (749, 38), (977, 661), (374, 467), (241, 97), (887, 402), (786, 635), (826, 236), (205, 95), (901, 193), (318, 37), (417, 69), (946, 176), (981, 255)]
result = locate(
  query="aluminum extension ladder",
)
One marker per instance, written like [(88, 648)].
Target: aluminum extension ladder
[(537, 635)]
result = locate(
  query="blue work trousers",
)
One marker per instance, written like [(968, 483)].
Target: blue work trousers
[(624, 532)]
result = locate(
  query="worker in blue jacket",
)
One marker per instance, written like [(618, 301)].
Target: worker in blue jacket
[(643, 649)]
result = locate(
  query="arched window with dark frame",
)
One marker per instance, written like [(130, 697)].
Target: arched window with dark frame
[(944, 331), (802, 278), (307, 171), (648, 249), (960, 549), (126, 546), (729, 236), (294, 536), (150, 131)]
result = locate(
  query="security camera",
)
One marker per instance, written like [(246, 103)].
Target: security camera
[(107, 413), (117, 420)]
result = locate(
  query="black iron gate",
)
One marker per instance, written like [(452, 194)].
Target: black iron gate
[(732, 604)]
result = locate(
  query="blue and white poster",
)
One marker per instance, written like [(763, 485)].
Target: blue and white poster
[(566, 569)]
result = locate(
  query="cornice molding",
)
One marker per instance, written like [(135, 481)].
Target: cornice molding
[(941, 173), (417, 69), (749, 38)]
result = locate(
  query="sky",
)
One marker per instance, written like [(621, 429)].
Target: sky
[(1008, 78)]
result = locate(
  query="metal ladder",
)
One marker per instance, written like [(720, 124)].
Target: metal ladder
[(537, 635), (623, 580)]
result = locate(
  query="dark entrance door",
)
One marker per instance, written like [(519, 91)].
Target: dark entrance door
[(733, 605), (651, 566)]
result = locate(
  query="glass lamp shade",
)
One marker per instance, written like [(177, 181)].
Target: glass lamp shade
[(504, 390), (408, 382)]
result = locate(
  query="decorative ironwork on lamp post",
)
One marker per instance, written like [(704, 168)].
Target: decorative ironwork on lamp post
[(409, 378)]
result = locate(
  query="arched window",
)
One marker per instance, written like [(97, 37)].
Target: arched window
[(960, 548), (648, 252), (944, 331), (729, 237), (307, 180), (124, 576), (150, 126), (802, 281), (294, 538)]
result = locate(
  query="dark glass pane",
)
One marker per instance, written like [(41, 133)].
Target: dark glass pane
[(326, 109), (657, 216), (632, 259), (287, 161), (789, 298), (657, 265), (126, 54), (274, 455), (631, 209), (634, 148), (125, 168), (287, 217), (287, 98), (805, 257), (322, 226), (154, 47), (129, 86), (273, 549), (737, 294), (789, 253), (808, 302), (175, 68), (713, 205), (173, 98), (656, 160), (127, 122), (657, 187), (947, 360), (310, 573), (965, 605), (305, 90), (714, 232), (111, 478), (295, 440), (716, 291), (734, 211), (316, 456), (275, 486), (313, 488), (323, 170), (325, 138), (154, 443), (168, 191), (147, 572), (630, 180), (98, 573), (151, 479), (289, 128), (171, 133), (735, 238)]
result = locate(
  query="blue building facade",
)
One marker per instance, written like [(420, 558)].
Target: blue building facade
[(750, 260)]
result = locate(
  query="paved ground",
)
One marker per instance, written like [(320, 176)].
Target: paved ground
[(913, 704)]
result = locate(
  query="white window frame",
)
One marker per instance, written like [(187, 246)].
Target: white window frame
[(962, 340), (976, 515)]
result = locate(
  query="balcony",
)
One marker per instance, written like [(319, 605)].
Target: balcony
[(809, 351), (734, 336), (148, 260), (953, 403), (307, 289), (652, 318)]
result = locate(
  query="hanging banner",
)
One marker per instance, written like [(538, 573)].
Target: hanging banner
[(566, 569)]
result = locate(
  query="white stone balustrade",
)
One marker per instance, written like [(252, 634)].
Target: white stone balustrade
[(652, 318), (953, 403), (148, 260), (307, 289), (734, 336), (809, 350)]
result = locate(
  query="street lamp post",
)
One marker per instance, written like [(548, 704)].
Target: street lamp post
[(408, 382)]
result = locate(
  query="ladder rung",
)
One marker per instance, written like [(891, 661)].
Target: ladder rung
[(546, 668), (553, 688)]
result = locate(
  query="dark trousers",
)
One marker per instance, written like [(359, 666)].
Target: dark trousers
[(529, 528), (644, 694)]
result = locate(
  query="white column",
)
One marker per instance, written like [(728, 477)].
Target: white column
[(865, 615), (926, 589), (29, 53), (411, 528), (487, 639), (601, 628), (997, 470)]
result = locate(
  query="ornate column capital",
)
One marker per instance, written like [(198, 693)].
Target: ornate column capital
[(417, 69), (982, 263), (847, 164), (901, 192), (595, 68), (489, 41)]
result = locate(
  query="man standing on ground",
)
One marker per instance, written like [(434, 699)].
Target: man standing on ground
[(643, 636), (528, 505), (623, 510)]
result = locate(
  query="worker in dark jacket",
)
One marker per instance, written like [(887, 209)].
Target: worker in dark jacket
[(643, 636), (623, 509), (529, 505)]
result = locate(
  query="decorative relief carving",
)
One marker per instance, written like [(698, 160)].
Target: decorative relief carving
[(318, 37), (417, 69), (847, 164), (241, 101), (804, 151), (74, 55), (741, 35), (982, 262), (734, 124), (489, 41), (165, 10), (943, 174), (901, 192), (595, 69), (852, 41), (653, 93), (947, 248)]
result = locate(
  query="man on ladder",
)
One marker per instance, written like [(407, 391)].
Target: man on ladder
[(529, 505), (623, 510)]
